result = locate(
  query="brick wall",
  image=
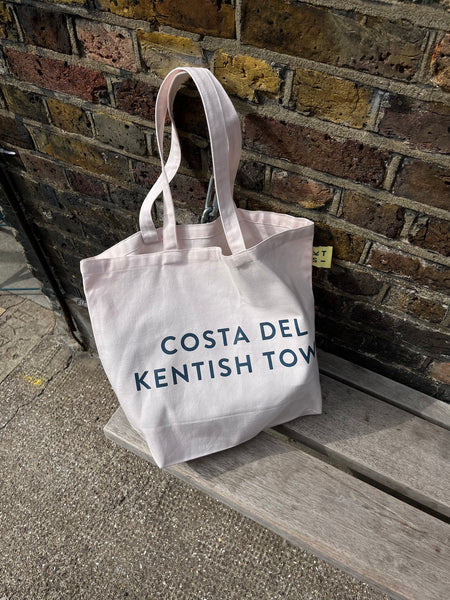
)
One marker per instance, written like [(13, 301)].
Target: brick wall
[(345, 110)]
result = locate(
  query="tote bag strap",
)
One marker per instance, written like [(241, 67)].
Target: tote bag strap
[(225, 134)]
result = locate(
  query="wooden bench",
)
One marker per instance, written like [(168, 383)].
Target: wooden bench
[(365, 486)]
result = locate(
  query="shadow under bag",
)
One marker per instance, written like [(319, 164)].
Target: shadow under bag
[(206, 331)]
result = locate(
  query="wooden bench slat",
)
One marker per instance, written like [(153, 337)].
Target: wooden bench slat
[(383, 442), (400, 395), (322, 509)]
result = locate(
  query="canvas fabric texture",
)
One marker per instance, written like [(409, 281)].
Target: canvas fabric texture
[(206, 331)]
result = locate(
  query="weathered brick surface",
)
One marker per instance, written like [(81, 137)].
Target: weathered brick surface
[(424, 182), (353, 282), (409, 267), (8, 28), (82, 193), (346, 246), (291, 187), (83, 155), (345, 39), (207, 17), (433, 234), (57, 75), (411, 302), (44, 28), (45, 171), (423, 125), (13, 133), (87, 185), (69, 117), (441, 371), (120, 134), (338, 100), (245, 76), (136, 98), (25, 103), (306, 146), (162, 52), (387, 219), (107, 43), (440, 64)]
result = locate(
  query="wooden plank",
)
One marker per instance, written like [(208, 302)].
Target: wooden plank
[(382, 442), (345, 521), (386, 389)]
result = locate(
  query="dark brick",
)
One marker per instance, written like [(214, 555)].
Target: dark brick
[(294, 188), (120, 134), (207, 17), (425, 183), (386, 219), (189, 115), (356, 283), (187, 192), (25, 103), (423, 125), (411, 302), (57, 75), (126, 198), (251, 175), (44, 28), (433, 234), (319, 151), (409, 267), (400, 330), (13, 133), (8, 28), (345, 39), (87, 185), (346, 246), (136, 98), (75, 152), (44, 170)]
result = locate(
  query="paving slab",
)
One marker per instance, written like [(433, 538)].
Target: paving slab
[(81, 518)]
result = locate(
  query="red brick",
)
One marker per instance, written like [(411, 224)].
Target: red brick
[(386, 219), (423, 182), (440, 64), (409, 267), (433, 234), (423, 125), (13, 133), (206, 17), (87, 185), (57, 75), (412, 302), (136, 98), (346, 39), (44, 170), (44, 28), (314, 149), (308, 193), (107, 43)]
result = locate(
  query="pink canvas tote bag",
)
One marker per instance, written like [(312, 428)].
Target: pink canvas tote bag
[(206, 331)]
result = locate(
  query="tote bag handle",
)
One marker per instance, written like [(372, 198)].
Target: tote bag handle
[(225, 136)]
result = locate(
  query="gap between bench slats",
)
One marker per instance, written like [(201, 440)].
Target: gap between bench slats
[(376, 385), (387, 444), (343, 520)]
